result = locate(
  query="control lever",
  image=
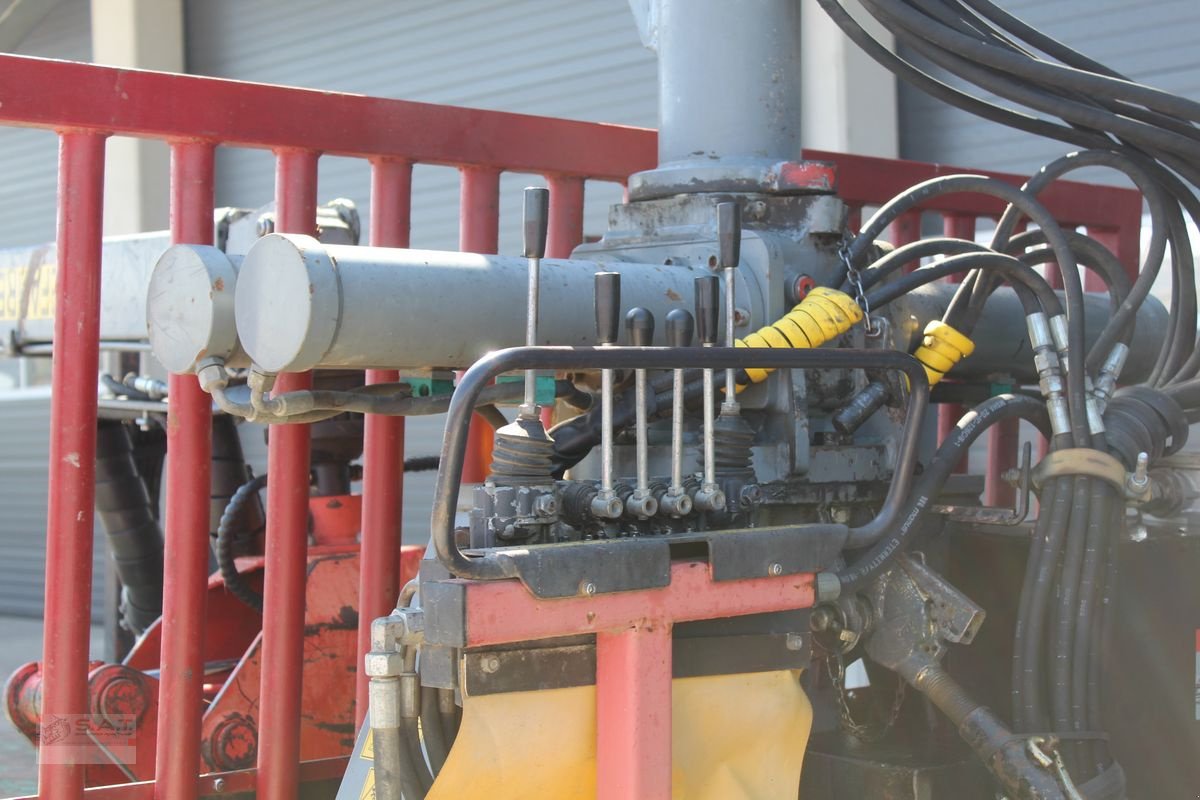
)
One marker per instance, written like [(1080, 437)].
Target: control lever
[(680, 328), (729, 255), (708, 311), (641, 504), (606, 504), (533, 232)]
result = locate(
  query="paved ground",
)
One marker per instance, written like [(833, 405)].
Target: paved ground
[(20, 642)]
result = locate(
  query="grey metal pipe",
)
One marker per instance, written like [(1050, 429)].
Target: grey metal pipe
[(1002, 348), (728, 79), (302, 305)]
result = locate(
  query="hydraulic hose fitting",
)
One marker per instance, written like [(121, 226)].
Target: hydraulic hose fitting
[(941, 349), (1110, 373), (1050, 381), (822, 315), (1058, 332)]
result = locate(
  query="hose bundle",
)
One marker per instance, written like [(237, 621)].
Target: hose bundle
[(1150, 137)]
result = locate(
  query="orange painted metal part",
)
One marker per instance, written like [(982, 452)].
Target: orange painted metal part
[(232, 654), (633, 654)]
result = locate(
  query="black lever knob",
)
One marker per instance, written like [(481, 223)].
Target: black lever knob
[(680, 328), (708, 308), (537, 219), (608, 307), (729, 235), (640, 324)]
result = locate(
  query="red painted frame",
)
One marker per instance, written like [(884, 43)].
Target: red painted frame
[(84, 104)]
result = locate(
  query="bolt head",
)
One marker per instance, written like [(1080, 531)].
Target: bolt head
[(794, 641), (490, 664), (840, 515), (589, 588), (219, 785), (1139, 534), (383, 664), (776, 569), (741, 317), (750, 495), (545, 506)]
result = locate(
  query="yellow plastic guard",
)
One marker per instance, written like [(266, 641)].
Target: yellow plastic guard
[(942, 348), (823, 314), (734, 737)]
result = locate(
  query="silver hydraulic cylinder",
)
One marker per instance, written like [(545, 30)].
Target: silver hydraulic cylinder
[(302, 305)]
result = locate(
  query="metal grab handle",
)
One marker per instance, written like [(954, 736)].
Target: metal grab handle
[(481, 373)]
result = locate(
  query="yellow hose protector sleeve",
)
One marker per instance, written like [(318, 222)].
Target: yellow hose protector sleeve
[(733, 737), (941, 349), (822, 315)]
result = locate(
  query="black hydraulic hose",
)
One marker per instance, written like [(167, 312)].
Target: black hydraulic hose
[(431, 727), (872, 563), (134, 539), (1030, 688), (227, 534), (1095, 257), (1063, 632), (1084, 651), (949, 94), (1031, 289), (913, 197), (1021, 709), (1140, 172), (228, 473), (410, 734), (1009, 85), (912, 252), (1036, 71)]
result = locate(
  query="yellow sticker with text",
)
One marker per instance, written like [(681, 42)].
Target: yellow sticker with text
[(368, 790)]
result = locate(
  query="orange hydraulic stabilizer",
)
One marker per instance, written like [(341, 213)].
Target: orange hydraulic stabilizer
[(124, 697)]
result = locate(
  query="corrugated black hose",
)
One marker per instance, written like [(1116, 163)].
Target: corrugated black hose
[(134, 539)]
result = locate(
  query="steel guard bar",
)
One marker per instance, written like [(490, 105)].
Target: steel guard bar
[(481, 373)]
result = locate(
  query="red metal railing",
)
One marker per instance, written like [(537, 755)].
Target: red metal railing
[(85, 104)]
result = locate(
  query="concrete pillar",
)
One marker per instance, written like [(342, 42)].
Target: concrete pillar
[(143, 34), (848, 101)]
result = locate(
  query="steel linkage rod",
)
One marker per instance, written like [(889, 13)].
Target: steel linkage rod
[(69, 525), (287, 532), (186, 554), (383, 442)]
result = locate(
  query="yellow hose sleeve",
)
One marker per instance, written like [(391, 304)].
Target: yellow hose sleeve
[(941, 349), (822, 315)]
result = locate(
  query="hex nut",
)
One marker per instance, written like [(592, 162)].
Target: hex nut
[(383, 664)]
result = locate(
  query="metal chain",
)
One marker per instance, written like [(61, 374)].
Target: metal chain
[(863, 732), (860, 295)]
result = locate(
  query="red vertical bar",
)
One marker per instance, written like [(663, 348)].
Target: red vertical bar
[(185, 560), (956, 226), (479, 232), (633, 713), (1125, 244), (854, 219), (287, 532), (72, 485), (565, 233), (383, 442), (566, 215)]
